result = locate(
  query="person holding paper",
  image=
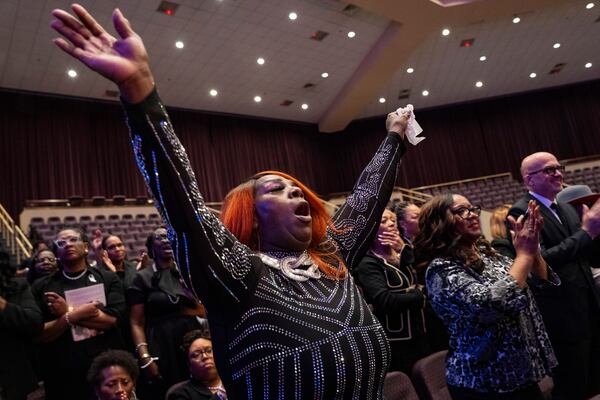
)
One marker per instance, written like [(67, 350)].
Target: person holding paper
[(286, 319), (60, 355)]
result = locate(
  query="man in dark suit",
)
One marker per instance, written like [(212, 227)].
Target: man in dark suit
[(571, 311)]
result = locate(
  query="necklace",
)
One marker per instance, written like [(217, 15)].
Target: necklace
[(74, 278), (289, 263), (219, 391)]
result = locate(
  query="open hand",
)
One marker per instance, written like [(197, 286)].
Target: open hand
[(527, 231), (123, 61)]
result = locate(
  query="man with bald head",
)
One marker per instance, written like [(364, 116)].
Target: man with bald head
[(571, 311)]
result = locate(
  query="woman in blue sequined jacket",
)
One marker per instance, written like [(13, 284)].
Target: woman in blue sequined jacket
[(286, 319), (498, 343)]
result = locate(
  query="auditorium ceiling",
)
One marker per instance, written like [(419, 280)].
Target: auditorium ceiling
[(508, 46)]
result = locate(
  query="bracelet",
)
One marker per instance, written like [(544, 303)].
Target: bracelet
[(67, 319), (137, 346), (152, 359)]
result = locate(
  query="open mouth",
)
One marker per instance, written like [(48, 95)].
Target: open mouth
[(302, 212)]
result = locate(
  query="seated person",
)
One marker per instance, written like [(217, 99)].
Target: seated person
[(113, 375), (205, 382)]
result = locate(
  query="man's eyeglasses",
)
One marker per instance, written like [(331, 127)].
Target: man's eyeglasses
[(549, 170), (464, 212), (62, 243)]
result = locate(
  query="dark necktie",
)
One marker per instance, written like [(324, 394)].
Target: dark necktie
[(554, 208)]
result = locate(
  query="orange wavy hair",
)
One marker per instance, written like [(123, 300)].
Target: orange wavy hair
[(238, 216)]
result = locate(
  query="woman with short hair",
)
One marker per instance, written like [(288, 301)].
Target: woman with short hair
[(113, 375)]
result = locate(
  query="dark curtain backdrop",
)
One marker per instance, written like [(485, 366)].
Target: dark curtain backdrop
[(54, 147)]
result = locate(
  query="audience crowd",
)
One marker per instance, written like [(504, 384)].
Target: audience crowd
[(278, 275)]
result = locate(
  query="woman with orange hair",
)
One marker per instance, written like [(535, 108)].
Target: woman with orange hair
[(286, 319)]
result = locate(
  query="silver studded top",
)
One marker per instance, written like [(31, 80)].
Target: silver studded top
[(274, 337)]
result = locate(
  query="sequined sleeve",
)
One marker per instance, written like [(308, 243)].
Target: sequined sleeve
[(214, 265), (357, 219), (459, 292)]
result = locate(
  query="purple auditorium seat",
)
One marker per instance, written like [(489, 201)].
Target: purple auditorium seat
[(118, 200), (98, 201), (429, 377), (397, 386)]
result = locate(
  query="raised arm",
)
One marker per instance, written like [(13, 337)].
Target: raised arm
[(357, 219), (212, 262)]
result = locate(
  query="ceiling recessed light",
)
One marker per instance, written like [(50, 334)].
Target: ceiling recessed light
[(179, 44), (410, 70), (532, 75), (304, 106), (324, 75), (516, 20), (478, 84), (213, 92), (257, 99), (556, 45), (260, 61), (588, 65), (446, 32), (482, 58), (351, 34), (382, 100), (589, 6), (425, 93), (293, 16), (72, 73)]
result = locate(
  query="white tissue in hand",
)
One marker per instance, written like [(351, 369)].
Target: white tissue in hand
[(413, 129)]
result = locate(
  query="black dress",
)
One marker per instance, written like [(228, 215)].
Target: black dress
[(274, 337), (164, 301), (64, 362), (20, 321)]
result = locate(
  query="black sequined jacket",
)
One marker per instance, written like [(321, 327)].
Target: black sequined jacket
[(274, 338)]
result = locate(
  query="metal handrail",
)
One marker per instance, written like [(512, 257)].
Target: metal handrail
[(18, 244)]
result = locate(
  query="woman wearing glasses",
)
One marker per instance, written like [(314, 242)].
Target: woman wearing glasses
[(499, 348), (61, 356), (204, 383)]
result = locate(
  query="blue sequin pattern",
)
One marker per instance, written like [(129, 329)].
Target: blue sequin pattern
[(498, 342), (274, 338)]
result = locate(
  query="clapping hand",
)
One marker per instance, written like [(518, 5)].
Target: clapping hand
[(123, 61), (527, 229)]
